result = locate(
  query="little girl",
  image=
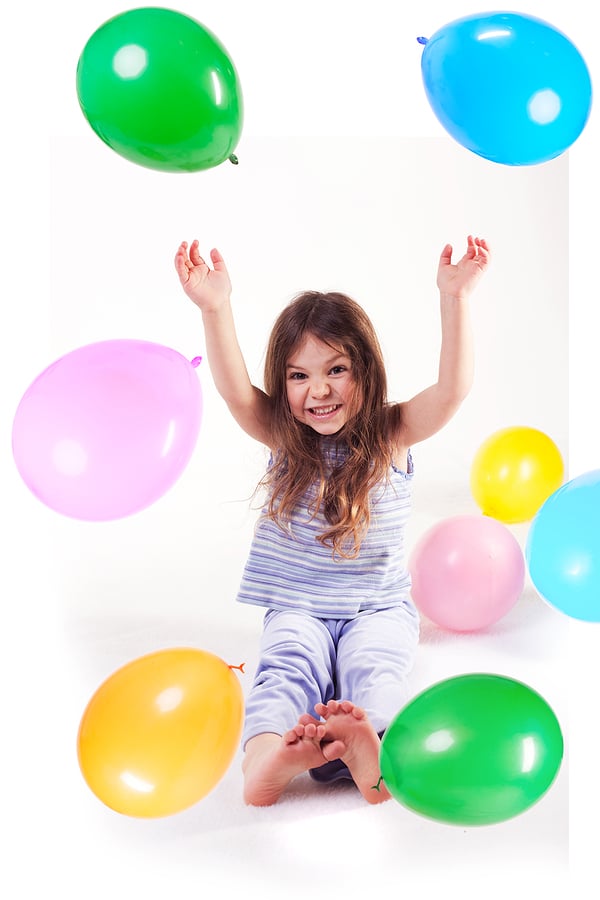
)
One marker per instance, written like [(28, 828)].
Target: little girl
[(327, 560)]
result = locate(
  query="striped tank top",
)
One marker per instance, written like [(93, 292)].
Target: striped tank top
[(293, 570)]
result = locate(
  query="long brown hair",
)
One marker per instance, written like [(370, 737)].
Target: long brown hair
[(342, 492)]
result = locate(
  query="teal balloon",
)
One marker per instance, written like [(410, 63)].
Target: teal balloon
[(511, 88), (472, 750), (160, 89), (563, 548)]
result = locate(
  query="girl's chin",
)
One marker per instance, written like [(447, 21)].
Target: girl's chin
[(326, 432), (325, 428)]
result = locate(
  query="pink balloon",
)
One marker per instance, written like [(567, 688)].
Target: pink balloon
[(467, 572), (104, 431)]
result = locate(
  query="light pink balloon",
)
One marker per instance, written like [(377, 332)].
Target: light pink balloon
[(467, 572), (105, 430)]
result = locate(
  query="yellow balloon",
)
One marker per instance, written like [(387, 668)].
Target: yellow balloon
[(161, 732), (514, 472)]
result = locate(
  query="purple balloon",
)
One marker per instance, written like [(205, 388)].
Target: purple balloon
[(104, 431)]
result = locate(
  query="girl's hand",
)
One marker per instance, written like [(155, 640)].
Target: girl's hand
[(459, 280), (208, 288)]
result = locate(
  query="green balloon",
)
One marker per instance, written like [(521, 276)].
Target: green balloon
[(472, 750), (159, 88)]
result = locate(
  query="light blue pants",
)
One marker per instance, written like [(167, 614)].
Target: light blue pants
[(305, 660)]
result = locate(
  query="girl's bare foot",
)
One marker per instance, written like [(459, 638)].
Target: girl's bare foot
[(271, 760), (348, 724)]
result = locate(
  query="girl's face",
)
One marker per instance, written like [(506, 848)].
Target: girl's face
[(320, 386)]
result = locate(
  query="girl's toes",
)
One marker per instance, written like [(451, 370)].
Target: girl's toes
[(333, 750), (307, 719)]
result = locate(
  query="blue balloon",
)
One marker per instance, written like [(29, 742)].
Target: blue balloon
[(510, 88), (563, 548)]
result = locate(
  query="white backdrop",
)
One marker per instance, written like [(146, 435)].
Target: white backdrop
[(345, 181), (298, 213)]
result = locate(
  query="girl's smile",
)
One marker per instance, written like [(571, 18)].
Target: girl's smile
[(320, 386), (321, 412)]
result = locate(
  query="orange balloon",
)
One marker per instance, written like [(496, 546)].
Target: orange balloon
[(161, 732)]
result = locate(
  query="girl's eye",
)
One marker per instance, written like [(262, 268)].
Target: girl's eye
[(297, 376), (337, 370)]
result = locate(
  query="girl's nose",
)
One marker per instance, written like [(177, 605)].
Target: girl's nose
[(319, 389)]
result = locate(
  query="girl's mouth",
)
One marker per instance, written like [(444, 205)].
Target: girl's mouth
[(322, 412)]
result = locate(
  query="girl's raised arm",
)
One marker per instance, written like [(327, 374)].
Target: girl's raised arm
[(431, 409), (210, 290)]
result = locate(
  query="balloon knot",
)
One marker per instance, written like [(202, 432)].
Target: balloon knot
[(422, 40), (196, 361), (240, 667), (375, 787), (233, 159)]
